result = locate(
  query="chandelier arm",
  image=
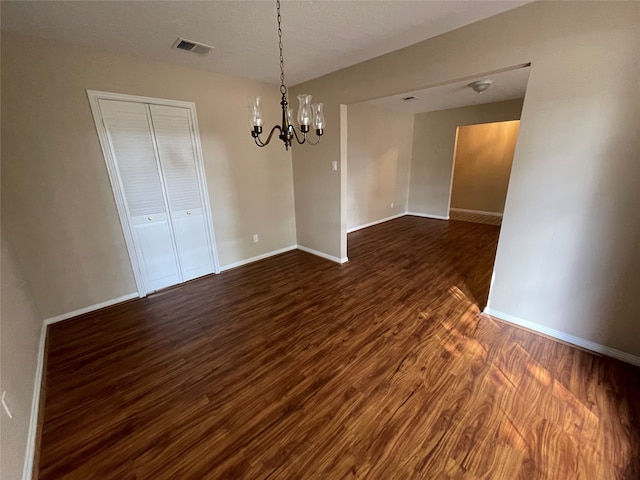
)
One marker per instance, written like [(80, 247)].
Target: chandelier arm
[(304, 137), (310, 142), (259, 141)]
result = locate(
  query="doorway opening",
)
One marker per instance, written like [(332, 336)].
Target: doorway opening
[(482, 160), (442, 153)]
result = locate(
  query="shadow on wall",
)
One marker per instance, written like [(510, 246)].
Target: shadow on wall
[(379, 160), (376, 183)]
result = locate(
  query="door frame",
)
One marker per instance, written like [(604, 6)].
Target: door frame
[(116, 183), (453, 169)]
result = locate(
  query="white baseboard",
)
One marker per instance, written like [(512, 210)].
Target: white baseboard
[(371, 224), (30, 452), (258, 257), (566, 337), (426, 215), (322, 254), (477, 212), (91, 308)]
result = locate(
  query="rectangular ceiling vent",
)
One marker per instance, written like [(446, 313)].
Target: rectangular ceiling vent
[(410, 98), (191, 46)]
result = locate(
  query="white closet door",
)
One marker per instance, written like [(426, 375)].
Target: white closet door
[(131, 138), (174, 139)]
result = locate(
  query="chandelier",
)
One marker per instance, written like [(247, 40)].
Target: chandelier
[(309, 114)]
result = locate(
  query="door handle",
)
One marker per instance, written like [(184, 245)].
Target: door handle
[(149, 218), (188, 212)]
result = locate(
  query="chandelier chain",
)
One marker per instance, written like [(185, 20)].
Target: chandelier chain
[(283, 88), (287, 130)]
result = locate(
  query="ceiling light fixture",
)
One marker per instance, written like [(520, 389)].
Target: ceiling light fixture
[(308, 113), (480, 86)]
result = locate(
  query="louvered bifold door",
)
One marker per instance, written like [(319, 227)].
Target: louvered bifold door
[(173, 132), (131, 140)]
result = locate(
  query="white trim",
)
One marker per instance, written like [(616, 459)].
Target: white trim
[(453, 169), (344, 186), (116, 187), (370, 224), (91, 308), (258, 257), (97, 94), (204, 192), (426, 215), (114, 176), (30, 452), (27, 472), (477, 212), (323, 255), (565, 337), (165, 194)]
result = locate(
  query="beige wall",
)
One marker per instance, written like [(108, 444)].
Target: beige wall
[(319, 190), (567, 257), (20, 327), (434, 141), (57, 202), (379, 159), (482, 165)]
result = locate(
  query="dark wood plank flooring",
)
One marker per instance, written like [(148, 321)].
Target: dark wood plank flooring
[(297, 368)]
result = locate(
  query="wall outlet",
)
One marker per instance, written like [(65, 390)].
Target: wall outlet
[(391, 205), (256, 239), (5, 407), (334, 165)]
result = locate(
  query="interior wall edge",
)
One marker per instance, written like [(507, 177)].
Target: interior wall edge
[(429, 215), (326, 256), (32, 438)]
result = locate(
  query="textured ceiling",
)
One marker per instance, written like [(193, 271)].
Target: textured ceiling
[(319, 36), (506, 86)]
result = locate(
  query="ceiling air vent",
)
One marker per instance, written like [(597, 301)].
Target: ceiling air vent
[(191, 46), (410, 98)]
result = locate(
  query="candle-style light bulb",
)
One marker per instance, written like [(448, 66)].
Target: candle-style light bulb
[(304, 112), (318, 117), (290, 120), (255, 113)]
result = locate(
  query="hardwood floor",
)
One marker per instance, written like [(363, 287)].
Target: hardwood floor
[(297, 368)]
